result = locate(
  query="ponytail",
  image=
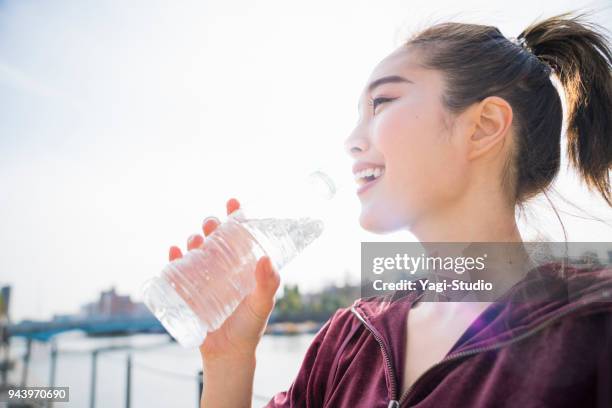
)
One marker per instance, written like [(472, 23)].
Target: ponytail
[(580, 56)]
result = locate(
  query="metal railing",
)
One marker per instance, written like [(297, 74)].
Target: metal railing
[(130, 365)]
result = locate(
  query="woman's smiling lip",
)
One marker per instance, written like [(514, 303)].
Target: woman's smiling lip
[(362, 166), (367, 185)]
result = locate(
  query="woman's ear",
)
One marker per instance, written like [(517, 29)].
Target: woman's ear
[(492, 118)]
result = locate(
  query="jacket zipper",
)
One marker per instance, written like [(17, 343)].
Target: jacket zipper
[(394, 403)]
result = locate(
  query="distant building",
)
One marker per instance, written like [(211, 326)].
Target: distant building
[(110, 304), (5, 297)]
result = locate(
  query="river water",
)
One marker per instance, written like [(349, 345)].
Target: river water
[(163, 373)]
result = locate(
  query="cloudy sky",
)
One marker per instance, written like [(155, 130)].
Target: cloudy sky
[(124, 123)]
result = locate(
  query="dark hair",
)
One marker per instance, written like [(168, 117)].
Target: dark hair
[(477, 61)]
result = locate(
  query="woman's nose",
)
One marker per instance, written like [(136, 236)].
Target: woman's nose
[(356, 144)]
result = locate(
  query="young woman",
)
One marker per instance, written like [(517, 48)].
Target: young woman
[(464, 125)]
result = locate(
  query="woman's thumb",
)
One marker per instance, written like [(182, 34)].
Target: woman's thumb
[(267, 282), (266, 277)]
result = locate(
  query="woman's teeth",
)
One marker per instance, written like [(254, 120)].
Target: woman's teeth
[(369, 174)]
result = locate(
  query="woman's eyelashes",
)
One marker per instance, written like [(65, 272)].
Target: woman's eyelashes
[(377, 101)]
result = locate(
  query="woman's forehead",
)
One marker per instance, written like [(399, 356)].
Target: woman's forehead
[(401, 62)]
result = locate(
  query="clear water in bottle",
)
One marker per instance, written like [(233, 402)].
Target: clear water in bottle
[(196, 293)]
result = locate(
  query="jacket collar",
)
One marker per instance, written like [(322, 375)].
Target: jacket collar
[(546, 292)]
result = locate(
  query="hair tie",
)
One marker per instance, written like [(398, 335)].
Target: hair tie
[(520, 42), (523, 44)]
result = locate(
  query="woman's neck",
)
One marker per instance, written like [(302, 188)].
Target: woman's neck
[(478, 225), (482, 216)]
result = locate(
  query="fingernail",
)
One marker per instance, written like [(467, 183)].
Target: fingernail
[(208, 219), (174, 252)]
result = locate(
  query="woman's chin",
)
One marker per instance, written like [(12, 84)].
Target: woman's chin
[(372, 221)]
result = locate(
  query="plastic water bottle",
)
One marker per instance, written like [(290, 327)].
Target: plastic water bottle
[(195, 294)]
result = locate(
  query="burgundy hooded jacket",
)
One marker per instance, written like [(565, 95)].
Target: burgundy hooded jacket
[(546, 343)]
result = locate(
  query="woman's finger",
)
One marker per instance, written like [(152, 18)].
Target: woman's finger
[(209, 225), (232, 205), (174, 253), (195, 241)]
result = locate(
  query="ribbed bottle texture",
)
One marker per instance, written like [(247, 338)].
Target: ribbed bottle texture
[(196, 293)]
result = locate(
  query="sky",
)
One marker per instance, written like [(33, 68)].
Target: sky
[(124, 124)]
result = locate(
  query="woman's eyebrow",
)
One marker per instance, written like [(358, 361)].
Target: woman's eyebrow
[(385, 80)]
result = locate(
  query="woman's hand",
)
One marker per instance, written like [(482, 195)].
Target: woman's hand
[(240, 333)]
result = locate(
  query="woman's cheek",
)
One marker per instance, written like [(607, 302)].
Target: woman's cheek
[(399, 142), (386, 118)]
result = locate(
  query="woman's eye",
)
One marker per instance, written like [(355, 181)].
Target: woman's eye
[(377, 101)]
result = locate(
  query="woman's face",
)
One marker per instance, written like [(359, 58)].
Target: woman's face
[(406, 134)]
